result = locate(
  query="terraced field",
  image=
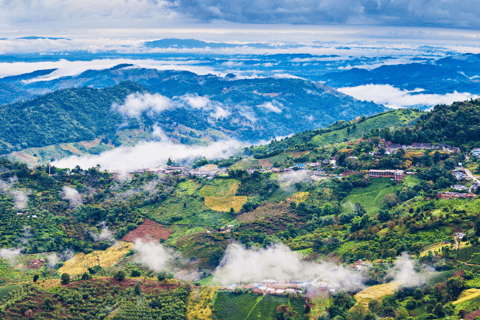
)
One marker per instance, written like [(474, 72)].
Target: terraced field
[(81, 262)]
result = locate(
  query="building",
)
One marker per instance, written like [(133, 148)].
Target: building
[(459, 187), (398, 175), (453, 195), (476, 152)]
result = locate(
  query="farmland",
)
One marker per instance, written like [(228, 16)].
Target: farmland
[(376, 292), (147, 231), (370, 197), (230, 306), (200, 303), (81, 262)]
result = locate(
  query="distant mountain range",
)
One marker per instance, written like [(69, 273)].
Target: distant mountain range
[(246, 109)]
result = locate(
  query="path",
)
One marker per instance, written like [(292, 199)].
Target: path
[(471, 176), (457, 245)]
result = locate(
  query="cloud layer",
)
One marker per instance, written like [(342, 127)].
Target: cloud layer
[(396, 98)]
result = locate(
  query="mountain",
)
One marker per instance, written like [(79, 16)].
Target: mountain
[(446, 75), (9, 94), (245, 109), (63, 116), (192, 43)]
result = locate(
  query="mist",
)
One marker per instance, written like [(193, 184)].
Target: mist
[(10, 255), (395, 98), (404, 272), (104, 235), (151, 154), (155, 256), (280, 263), (20, 196), (72, 195)]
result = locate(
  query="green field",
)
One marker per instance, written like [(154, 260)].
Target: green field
[(391, 119), (370, 197), (230, 306)]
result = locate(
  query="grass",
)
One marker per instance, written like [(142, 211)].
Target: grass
[(370, 197), (376, 292), (224, 204), (200, 303), (252, 307), (298, 197), (391, 119), (7, 289), (467, 295), (81, 262)]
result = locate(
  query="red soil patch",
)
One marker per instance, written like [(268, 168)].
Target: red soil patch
[(147, 231)]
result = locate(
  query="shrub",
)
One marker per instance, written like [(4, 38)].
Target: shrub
[(120, 276), (65, 278)]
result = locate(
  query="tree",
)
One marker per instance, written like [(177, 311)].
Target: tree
[(48, 304), (135, 273), (65, 278), (438, 311), (390, 200), (86, 276), (138, 289), (35, 278), (169, 162), (120, 276)]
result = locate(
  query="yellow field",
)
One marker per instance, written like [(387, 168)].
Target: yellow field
[(438, 247), (210, 167), (224, 204), (467, 295), (376, 293), (298, 197), (49, 284), (81, 262), (200, 303)]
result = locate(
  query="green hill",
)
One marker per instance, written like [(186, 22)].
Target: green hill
[(63, 116)]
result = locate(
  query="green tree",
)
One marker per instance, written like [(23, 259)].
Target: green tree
[(65, 278), (35, 278), (138, 289), (120, 276)]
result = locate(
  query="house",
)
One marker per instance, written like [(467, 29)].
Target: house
[(460, 235), (459, 174), (453, 195), (398, 175), (459, 187), (300, 166), (476, 152)]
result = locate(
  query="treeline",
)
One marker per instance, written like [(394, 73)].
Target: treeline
[(68, 115), (457, 124)]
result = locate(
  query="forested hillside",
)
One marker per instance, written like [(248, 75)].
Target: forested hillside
[(456, 124), (63, 116)]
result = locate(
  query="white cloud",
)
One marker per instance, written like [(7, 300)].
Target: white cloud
[(396, 98), (404, 272), (195, 101), (279, 263), (137, 103), (10, 254), (155, 256), (272, 106), (149, 155), (72, 195)]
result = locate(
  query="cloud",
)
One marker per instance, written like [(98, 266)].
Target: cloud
[(155, 256), (404, 272), (417, 13), (20, 196), (150, 155), (52, 259), (272, 106), (137, 103), (396, 98), (10, 254), (279, 263), (72, 195), (104, 235)]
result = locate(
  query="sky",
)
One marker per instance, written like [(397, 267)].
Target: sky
[(244, 20)]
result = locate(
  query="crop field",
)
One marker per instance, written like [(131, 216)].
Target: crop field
[(298, 197), (470, 304), (468, 253), (22, 268), (230, 306), (188, 187), (148, 231), (200, 303), (263, 211), (224, 204), (370, 197), (49, 284), (467, 295), (376, 292), (81, 262), (221, 187)]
